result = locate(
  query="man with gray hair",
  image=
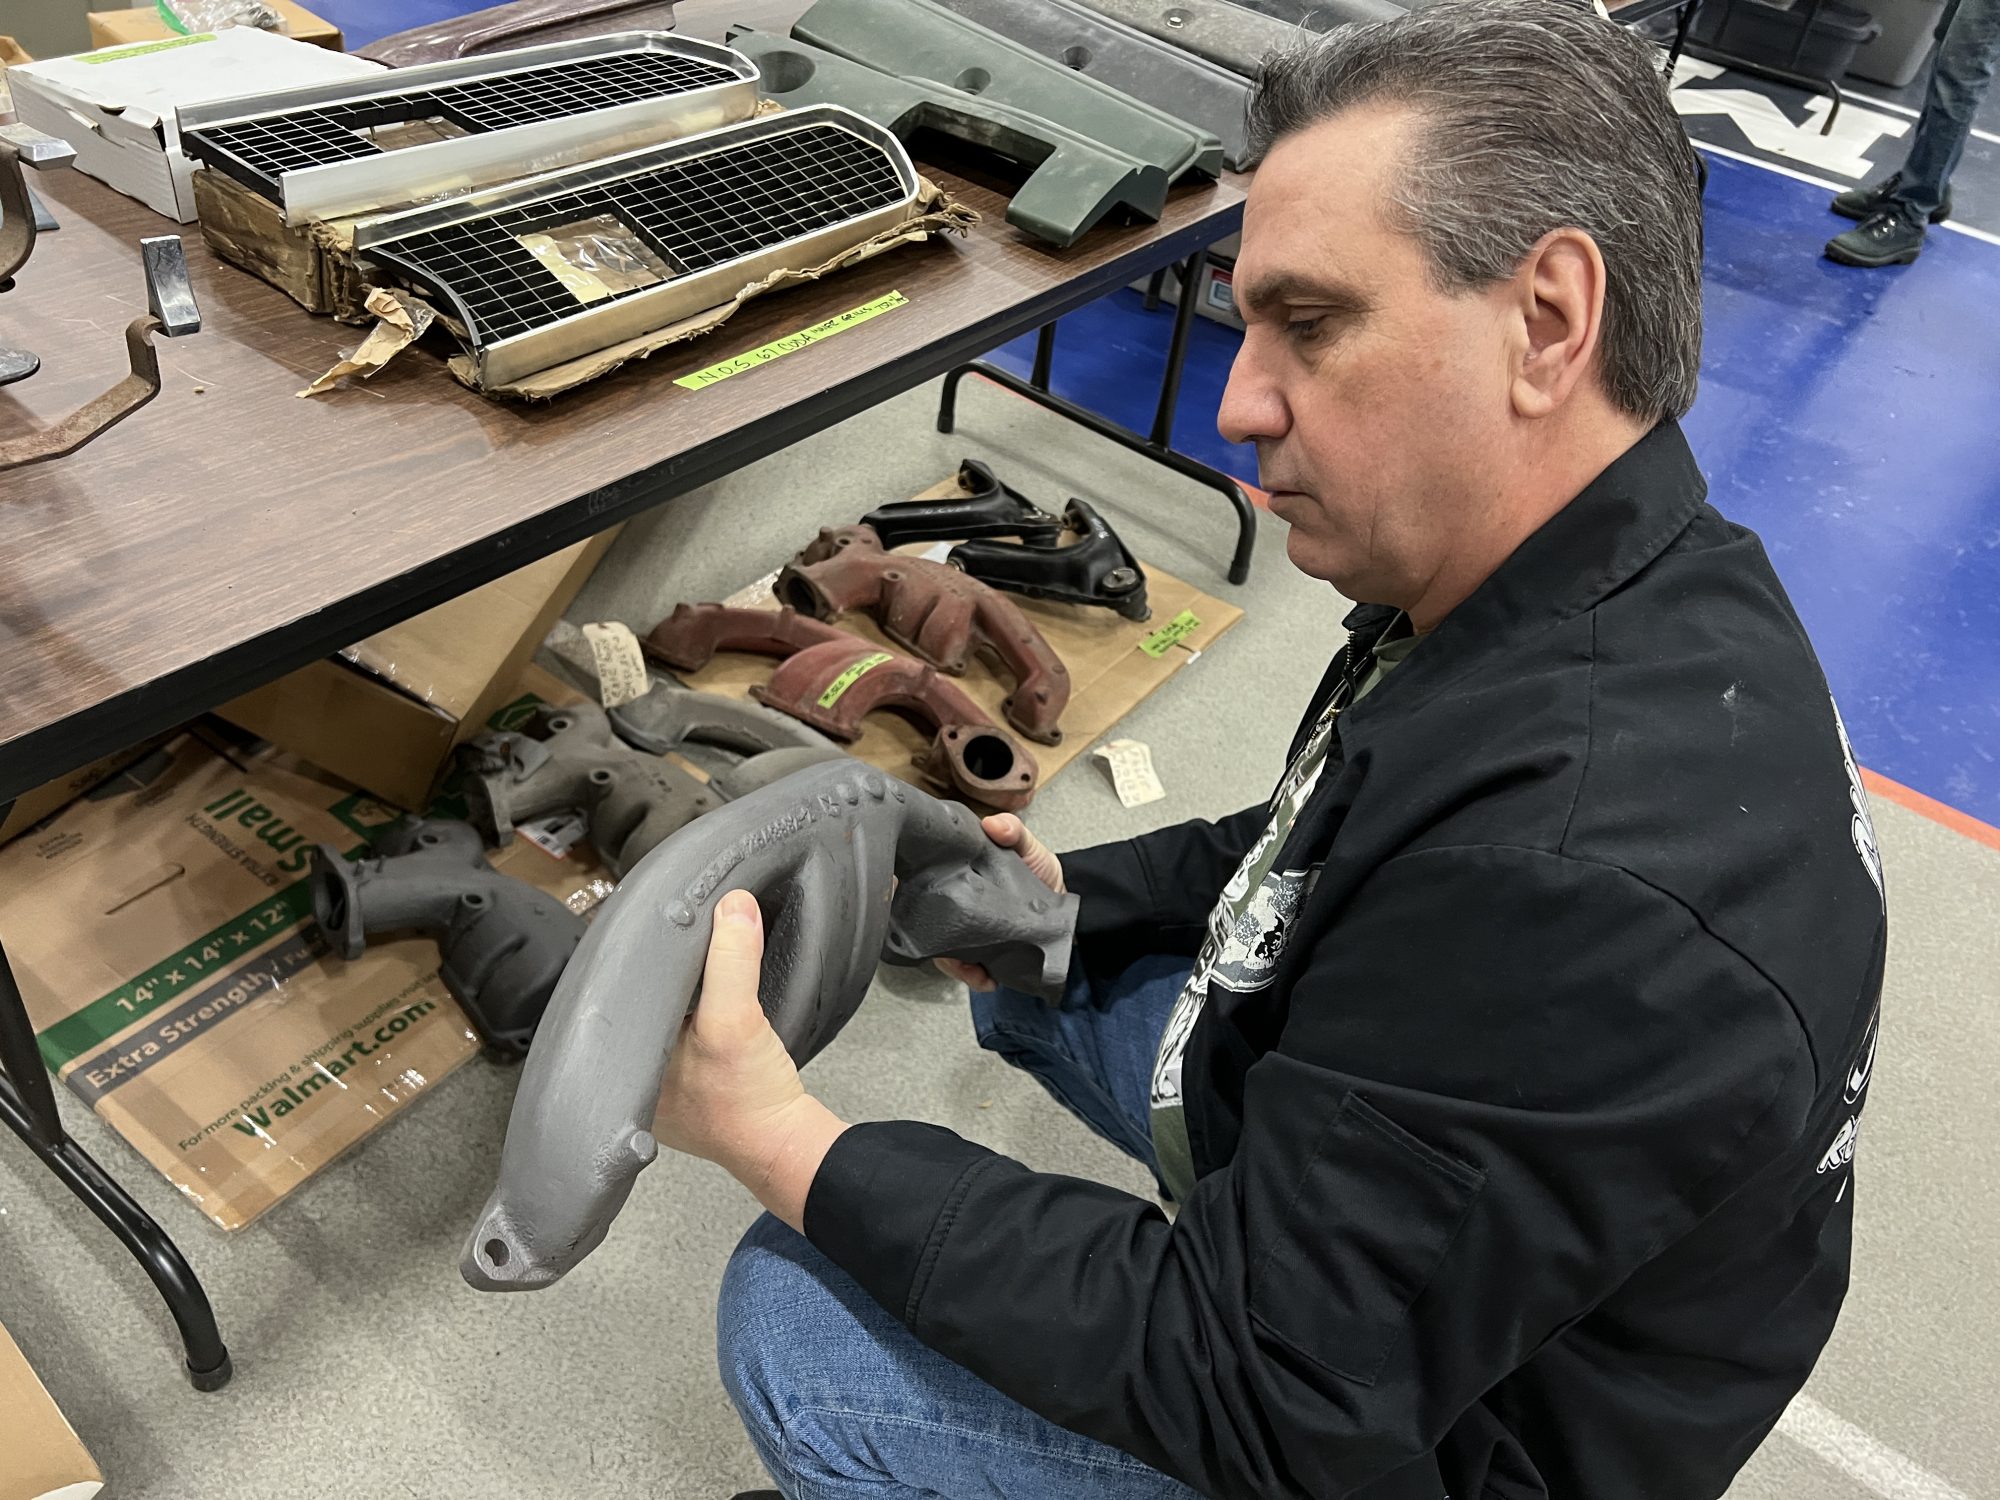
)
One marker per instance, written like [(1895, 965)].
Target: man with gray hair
[(1506, 1065)]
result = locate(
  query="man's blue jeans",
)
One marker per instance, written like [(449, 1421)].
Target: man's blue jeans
[(842, 1401), (1969, 39)]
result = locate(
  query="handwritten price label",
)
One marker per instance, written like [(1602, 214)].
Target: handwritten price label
[(791, 342)]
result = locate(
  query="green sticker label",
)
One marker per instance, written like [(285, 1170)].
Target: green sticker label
[(1171, 634), (851, 676), (140, 49), (778, 348)]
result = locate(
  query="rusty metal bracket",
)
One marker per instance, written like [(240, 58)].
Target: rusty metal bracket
[(170, 301), (936, 612), (833, 680)]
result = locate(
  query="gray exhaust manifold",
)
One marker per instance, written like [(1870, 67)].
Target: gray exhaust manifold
[(850, 866)]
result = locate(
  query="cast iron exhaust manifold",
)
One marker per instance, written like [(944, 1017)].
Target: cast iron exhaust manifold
[(1098, 569), (849, 866), (672, 716), (633, 800), (937, 612), (833, 680), (501, 942)]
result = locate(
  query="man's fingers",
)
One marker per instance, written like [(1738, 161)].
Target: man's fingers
[(972, 976), (728, 1008), (1004, 829)]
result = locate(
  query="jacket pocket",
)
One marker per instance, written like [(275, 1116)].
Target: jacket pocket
[(1375, 1211)]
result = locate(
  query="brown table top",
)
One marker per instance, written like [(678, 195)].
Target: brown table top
[(215, 540)]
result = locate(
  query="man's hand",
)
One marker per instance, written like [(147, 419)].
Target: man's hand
[(732, 1094), (1009, 832)]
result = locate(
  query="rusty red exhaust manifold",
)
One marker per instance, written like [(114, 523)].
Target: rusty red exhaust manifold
[(833, 680), (935, 612)]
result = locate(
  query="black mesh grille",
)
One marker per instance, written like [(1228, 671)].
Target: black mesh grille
[(257, 152), (697, 213)]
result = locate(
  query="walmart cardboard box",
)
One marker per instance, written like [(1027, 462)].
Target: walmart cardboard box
[(161, 931), (387, 713), (42, 1457)]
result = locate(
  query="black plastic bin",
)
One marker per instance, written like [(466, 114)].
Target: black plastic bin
[(1764, 34)]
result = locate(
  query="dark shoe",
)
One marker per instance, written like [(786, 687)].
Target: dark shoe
[(1891, 238), (760, 1495), (1865, 202)]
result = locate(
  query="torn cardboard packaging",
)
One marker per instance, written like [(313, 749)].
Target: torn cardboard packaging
[(387, 713), (161, 932), (115, 28), (934, 212), (43, 1459), (313, 264), (1114, 664)]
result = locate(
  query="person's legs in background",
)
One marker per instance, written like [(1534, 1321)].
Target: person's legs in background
[(1895, 214), (841, 1400)]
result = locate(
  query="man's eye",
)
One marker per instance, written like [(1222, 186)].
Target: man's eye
[(1300, 330)]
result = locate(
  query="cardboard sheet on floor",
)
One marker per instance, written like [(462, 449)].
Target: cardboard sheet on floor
[(43, 1459), (161, 932), (1110, 670)]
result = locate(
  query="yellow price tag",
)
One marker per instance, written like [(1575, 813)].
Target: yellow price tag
[(851, 676), (1169, 635), (778, 348)]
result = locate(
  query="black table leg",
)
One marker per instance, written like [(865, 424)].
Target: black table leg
[(1688, 12), (1170, 383), (1157, 446), (1045, 355), (28, 1107)]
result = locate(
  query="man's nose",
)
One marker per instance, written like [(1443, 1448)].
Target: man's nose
[(1252, 409)]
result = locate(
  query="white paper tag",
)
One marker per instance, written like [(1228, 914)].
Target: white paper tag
[(621, 665), (1132, 775), (555, 833)]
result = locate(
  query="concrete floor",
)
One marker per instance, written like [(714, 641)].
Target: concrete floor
[(365, 1367)]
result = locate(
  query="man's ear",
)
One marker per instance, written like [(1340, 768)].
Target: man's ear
[(1559, 294)]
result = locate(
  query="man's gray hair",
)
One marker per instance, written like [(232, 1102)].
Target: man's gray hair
[(1537, 115)]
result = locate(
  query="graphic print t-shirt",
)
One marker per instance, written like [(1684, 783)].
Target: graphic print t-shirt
[(1250, 923)]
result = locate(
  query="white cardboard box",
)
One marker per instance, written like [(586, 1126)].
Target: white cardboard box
[(117, 105)]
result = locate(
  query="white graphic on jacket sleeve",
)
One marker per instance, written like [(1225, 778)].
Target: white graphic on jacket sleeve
[(1862, 826), (1858, 1075), (1841, 1152)]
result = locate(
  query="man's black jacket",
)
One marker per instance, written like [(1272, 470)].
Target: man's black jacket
[(1528, 1173)]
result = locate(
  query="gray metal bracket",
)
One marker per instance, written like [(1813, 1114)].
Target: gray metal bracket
[(1073, 181), (918, 40), (1191, 88), (171, 312), (1225, 34)]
